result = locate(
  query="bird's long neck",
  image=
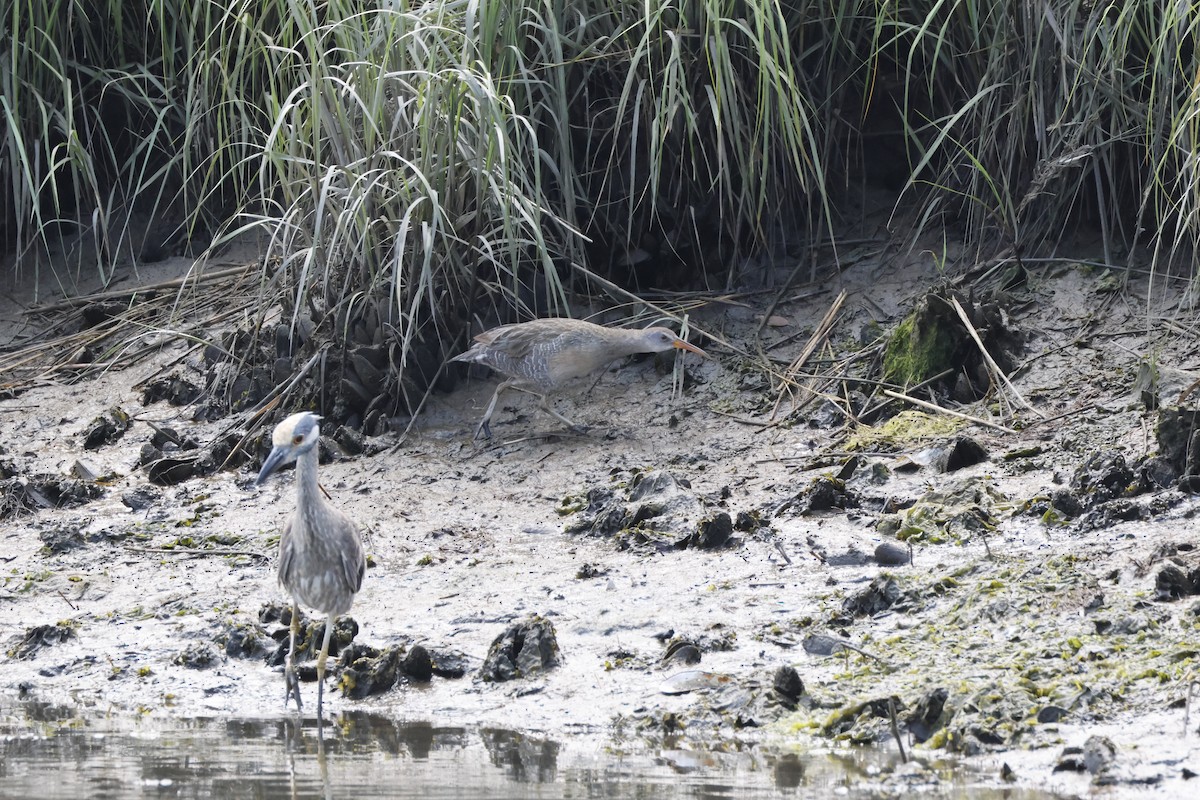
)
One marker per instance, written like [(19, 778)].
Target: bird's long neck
[(308, 493), (628, 341)]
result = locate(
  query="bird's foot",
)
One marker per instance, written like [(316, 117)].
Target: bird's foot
[(484, 430)]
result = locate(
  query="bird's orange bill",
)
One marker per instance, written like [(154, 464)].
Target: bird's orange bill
[(680, 344)]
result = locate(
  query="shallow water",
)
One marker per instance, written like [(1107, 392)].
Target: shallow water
[(50, 752)]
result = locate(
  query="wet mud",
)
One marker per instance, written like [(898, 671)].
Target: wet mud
[(718, 568)]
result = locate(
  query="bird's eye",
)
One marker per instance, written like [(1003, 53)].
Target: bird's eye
[(297, 439)]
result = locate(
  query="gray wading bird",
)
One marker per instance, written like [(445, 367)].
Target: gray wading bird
[(321, 561), (541, 356)]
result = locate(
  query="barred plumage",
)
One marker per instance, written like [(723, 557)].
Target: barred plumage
[(542, 356)]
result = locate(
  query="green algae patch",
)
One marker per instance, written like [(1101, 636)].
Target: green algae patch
[(922, 346), (906, 428), (963, 511), (571, 504), (41, 636), (864, 721), (994, 657)]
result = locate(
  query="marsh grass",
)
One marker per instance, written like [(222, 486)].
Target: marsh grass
[(421, 169)]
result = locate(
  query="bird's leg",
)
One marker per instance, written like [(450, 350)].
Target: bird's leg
[(291, 680), (575, 427), (544, 404), (321, 663), (485, 426)]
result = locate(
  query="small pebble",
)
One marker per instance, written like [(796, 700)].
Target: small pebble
[(891, 554), (1051, 714)]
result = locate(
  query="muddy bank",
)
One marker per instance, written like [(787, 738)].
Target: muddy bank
[(710, 576)]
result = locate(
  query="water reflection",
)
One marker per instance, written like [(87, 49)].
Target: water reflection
[(51, 752), (523, 759), (788, 771)]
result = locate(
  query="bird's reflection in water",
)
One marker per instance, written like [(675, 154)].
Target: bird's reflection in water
[(522, 758), (322, 762), (322, 738), (369, 755)]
